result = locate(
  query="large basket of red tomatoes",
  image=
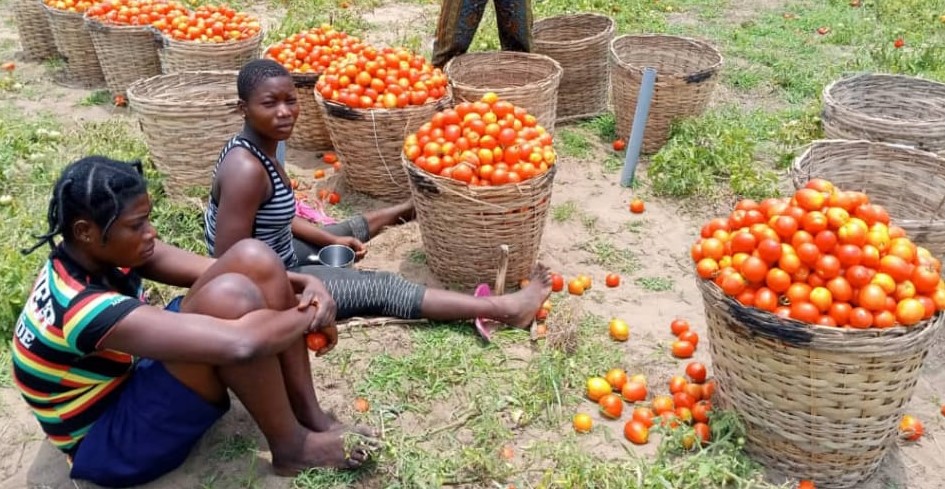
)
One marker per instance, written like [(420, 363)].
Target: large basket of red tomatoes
[(73, 41), (306, 55), (880, 170), (371, 101), (212, 37), (527, 80), (481, 176), (820, 314), (125, 41)]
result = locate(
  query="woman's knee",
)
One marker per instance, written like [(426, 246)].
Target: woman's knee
[(227, 296), (254, 258)]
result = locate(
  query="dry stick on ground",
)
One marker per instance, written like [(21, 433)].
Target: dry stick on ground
[(563, 325)]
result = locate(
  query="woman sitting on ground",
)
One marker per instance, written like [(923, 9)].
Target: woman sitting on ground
[(251, 198), (126, 389)]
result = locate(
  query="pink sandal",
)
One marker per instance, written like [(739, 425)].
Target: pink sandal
[(485, 326)]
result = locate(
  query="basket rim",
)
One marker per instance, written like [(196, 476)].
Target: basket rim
[(64, 13), (457, 186), (605, 32), (702, 43), (99, 24), (789, 325), (136, 98), (170, 41), (557, 70), (448, 95), (832, 102)]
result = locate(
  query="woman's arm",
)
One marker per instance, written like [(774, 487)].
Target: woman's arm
[(173, 266), (241, 182), (180, 337)]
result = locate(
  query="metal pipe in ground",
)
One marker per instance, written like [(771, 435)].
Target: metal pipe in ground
[(644, 99)]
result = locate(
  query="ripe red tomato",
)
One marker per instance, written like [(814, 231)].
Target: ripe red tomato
[(679, 326), (637, 206), (691, 337), (611, 406), (633, 391), (636, 432), (644, 415), (557, 282), (683, 349), (696, 372), (316, 341), (620, 145), (612, 280)]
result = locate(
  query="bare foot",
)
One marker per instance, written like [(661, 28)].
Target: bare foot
[(321, 422), (336, 449), (406, 211), (518, 309)]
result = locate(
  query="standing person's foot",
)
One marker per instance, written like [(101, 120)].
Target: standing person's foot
[(519, 309)]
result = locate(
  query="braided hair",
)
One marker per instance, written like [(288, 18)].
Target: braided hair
[(254, 73), (94, 187)]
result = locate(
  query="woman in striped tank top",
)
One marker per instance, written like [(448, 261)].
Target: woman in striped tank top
[(251, 198)]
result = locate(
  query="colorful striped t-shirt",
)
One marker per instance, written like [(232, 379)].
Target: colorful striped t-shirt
[(58, 367)]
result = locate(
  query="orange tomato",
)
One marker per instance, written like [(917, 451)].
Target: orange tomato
[(616, 377), (696, 372), (619, 330), (612, 280), (636, 432), (637, 206), (683, 349), (679, 326), (597, 387), (611, 406), (690, 337), (910, 428), (575, 287), (644, 415), (361, 405), (633, 391), (582, 423), (663, 405)]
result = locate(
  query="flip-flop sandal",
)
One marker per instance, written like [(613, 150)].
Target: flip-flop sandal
[(485, 326)]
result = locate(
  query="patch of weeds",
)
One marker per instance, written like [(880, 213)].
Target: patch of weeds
[(611, 257), (327, 478), (301, 15), (233, 447), (564, 211), (717, 148), (603, 126), (635, 227), (655, 284), (613, 164), (588, 221), (417, 256), (6, 367), (574, 144), (98, 97)]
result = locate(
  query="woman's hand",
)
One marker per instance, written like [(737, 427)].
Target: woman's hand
[(355, 244), (315, 294), (330, 332)]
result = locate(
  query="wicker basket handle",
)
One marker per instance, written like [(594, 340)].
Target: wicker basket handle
[(93, 24), (159, 38), (700, 77)]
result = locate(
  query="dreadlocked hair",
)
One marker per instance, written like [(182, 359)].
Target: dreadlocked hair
[(94, 187), (254, 73)]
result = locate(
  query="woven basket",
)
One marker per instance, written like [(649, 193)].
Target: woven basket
[(74, 43), (886, 108), (127, 53), (884, 171), (819, 402), (310, 132), (687, 72), (580, 43), (186, 119), (462, 227), (529, 81), (177, 56), (369, 143), (32, 24)]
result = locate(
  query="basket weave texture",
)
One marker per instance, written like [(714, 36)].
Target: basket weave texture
[(908, 182), (462, 227), (819, 402), (186, 119), (127, 53), (369, 143), (580, 43), (179, 56), (886, 108), (527, 80), (74, 43), (310, 132), (32, 24), (686, 74)]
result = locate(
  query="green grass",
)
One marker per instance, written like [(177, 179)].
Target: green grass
[(655, 284), (610, 256), (98, 97), (565, 211)]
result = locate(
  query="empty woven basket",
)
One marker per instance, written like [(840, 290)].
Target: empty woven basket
[(463, 226), (529, 81), (127, 53), (369, 143), (686, 74), (580, 43), (32, 24), (886, 108), (186, 119), (74, 43), (884, 171), (819, 402), (208, 56)]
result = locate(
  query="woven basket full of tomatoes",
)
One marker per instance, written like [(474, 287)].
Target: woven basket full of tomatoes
[(211, 37), (124, 39), (371, 100), (820, 313), (306, 55), (74, 42), (481, 176)]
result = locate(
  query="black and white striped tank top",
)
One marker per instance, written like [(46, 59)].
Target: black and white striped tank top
[(273, 221)]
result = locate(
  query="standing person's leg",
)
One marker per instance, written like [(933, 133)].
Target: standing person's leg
[(514, 19), (455, 28), (362, 293)]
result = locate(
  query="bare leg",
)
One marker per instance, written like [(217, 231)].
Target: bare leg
[(379, 219), (517, 309), (277, 293)]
